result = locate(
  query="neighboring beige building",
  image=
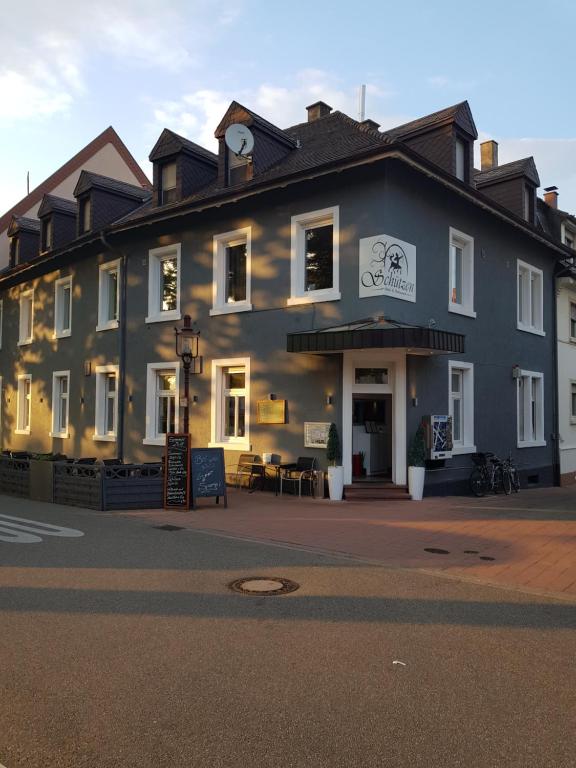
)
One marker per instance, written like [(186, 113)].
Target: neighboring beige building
[(106, 154)]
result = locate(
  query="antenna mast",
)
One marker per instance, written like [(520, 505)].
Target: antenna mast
[(361, 103)]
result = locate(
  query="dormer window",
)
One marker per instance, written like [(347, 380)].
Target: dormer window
[(461, 150), (85, 215), (14, 249), (168, 184), (47, 235)]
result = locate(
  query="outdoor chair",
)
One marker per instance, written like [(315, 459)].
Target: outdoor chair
[(247, 468), (296, 474)]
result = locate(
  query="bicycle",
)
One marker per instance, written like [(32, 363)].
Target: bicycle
[(487, 474), (510, 479)]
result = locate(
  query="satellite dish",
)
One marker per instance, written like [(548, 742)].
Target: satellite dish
[(239, 139)]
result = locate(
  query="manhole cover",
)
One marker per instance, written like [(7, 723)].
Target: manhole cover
[(263, 585), (436, 551), (168, 527)]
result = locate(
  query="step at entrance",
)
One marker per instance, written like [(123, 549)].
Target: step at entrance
[(376, 491)]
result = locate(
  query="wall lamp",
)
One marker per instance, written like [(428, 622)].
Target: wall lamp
[(329, 399)]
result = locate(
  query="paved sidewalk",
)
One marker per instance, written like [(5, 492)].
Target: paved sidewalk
[(525, 541)]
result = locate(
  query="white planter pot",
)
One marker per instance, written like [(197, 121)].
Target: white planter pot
[(336, 483), (416, 482)]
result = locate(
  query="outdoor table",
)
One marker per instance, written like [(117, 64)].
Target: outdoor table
[(262, 475)]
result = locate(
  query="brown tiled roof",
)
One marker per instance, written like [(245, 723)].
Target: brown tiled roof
[(88, 179), (109, 136), (525, 167), (237, 112), (459, 113)]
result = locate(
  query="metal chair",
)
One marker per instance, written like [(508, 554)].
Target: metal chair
[(249, 466), (296, 474)]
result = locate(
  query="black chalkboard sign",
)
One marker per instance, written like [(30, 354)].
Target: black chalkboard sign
[(177, 472), (208, 475)]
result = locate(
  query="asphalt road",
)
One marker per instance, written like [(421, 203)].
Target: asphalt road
[(125, 648)]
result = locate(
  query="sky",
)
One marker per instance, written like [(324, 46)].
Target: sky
[(68, 70)]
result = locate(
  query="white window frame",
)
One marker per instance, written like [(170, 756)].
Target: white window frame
[(216, 407), (1, 320), (299, 224), (20, 428), (104, 271), (59, 332), (568, 229), (571, 410), (101, 406), (22, 340), (220, 305), (529, 376), (460, 159), (155, 258), (466, 445), (529, 271), (57, 431), (466, 244), (152, 438)]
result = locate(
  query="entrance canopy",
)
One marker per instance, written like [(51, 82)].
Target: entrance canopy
[(376, 333)]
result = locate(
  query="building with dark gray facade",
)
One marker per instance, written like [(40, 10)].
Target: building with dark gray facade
[(348, 275)]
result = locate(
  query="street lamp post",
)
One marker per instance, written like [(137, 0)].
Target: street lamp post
[(187, 351)]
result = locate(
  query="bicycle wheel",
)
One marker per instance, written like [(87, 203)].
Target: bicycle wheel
[(477, 482), (514, 479), (506, 481)]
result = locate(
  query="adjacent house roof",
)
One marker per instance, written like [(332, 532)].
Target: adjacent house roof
[(525, 167), (171, 143), (461, 114), (88, 179), (109, 136), (51, 203)]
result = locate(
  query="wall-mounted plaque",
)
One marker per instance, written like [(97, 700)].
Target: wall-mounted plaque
[(271, 411), (316, 434)]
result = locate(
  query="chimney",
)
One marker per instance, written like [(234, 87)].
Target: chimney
[(369, 125), (488, 155), (551, 196), (317, 110)]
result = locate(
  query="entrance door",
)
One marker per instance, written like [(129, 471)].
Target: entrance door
[(371, 437)]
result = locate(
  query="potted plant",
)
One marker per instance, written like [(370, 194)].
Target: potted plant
[(335, 473), (416, 465)]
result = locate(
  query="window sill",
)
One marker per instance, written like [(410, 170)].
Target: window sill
[(155, 441), (457, 309), (111, 326), (313, 297), (535, 444), (104, 438), (61, 435), (25, 342), (231, 446), (527, 329), (459, 450), (227, 309), (22, 431), (162, 317), (62, 334)]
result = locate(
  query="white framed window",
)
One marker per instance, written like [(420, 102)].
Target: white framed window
[(85, 215), (47, 233), (461, 405), (164, 284), (232, 269), (230, 407), (460, 165), (162, 401), (108, 295), (530, 299), (1, 320), (572, 402), (530, 409), (26, 331), (106, 421), (168, 183), (461, 283), (572, 322), (60, 403), (63, 307), (23, 404), (568, 232), (315, 259)]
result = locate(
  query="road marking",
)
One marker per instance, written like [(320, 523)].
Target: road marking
[(20, 530)]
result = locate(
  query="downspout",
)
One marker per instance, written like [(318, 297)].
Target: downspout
[(556, 401), (121, 349)]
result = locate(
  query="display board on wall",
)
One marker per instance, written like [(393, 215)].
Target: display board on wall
[(271, 411), (387, 267), (177, 471), (316, 434)]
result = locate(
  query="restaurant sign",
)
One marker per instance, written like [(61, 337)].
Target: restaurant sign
[(387, 268)]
